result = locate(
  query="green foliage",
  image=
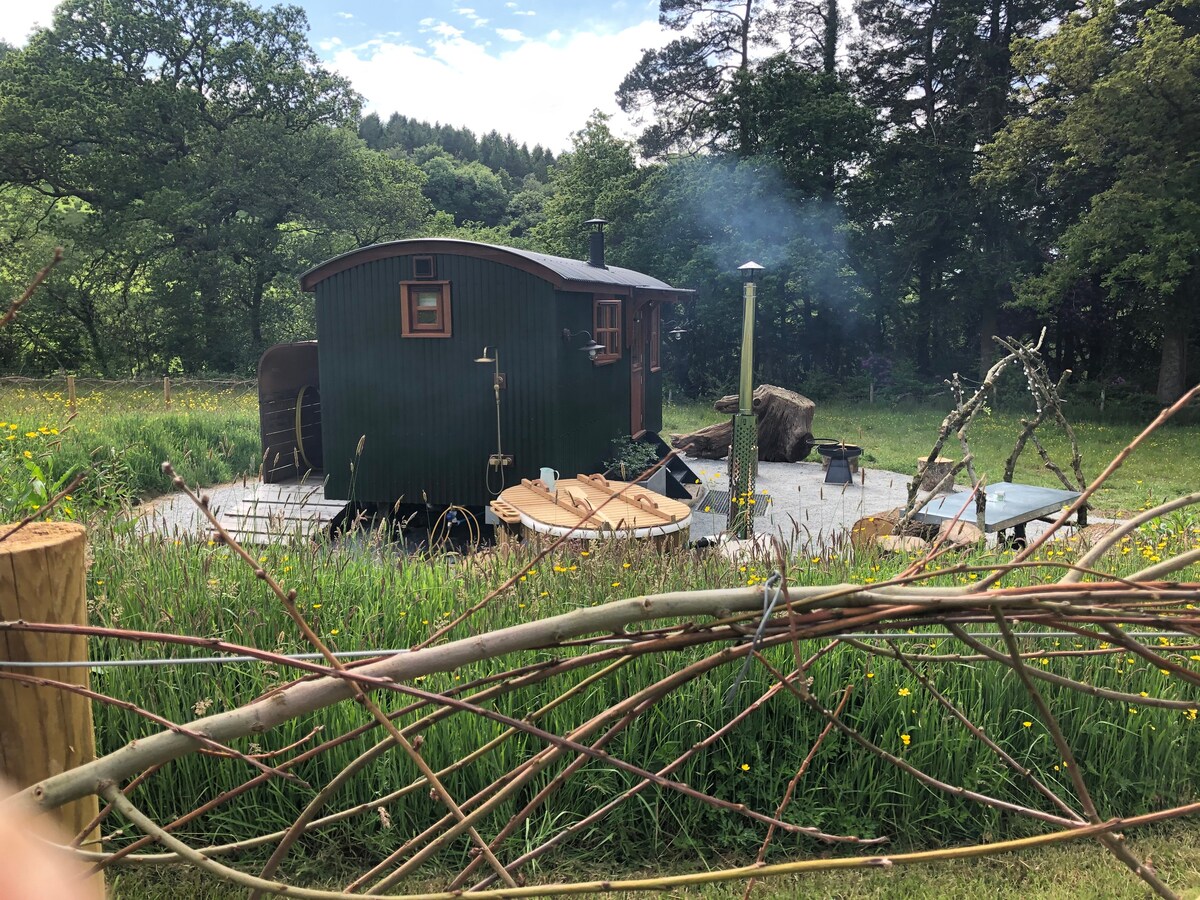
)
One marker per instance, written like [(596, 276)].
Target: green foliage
[(630, 458), (181, 140), (1112, 114), (118, 439)]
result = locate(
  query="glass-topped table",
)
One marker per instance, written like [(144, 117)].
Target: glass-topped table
[(1009, 505)]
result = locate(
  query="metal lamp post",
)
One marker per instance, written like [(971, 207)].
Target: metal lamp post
[(743, 455)]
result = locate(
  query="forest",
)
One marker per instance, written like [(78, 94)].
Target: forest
[(916, 179)]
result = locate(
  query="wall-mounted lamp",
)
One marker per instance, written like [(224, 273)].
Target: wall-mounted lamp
[(677, 333), (591, 347)]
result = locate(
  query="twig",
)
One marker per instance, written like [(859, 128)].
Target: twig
[(33, 286)]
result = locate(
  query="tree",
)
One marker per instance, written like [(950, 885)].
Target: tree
[(469, 191), (682, 81), (939, 73), (208, 124), (1114, 102), (596, 178)]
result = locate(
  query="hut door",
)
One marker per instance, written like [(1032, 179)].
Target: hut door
[(637, 370)]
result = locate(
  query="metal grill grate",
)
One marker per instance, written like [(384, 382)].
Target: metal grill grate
[(717, 502)]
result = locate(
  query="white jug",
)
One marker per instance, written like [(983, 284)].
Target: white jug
[(549, 476)]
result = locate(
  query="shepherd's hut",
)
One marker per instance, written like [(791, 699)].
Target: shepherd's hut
[(447, 369)]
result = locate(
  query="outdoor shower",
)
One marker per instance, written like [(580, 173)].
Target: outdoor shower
[(499, 459)]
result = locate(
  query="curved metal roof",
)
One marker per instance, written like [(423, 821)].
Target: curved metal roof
[(566, 274)]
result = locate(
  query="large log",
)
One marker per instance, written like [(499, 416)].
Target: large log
[(784, 427)]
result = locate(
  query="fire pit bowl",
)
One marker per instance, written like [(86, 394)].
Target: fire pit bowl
[(839, 451), (839, 456)]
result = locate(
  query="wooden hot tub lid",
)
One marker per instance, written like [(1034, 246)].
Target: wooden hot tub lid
[(593, 505)]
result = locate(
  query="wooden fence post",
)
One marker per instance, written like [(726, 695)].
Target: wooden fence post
[(167, 391), (71, 394), (43, 730)]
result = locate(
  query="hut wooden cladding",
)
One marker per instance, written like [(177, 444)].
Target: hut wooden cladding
[(399, 327)]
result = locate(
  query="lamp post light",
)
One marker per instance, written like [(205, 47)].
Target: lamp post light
[(743, 455)]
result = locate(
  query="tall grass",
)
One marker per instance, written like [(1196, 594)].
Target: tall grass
[(121, 434), (365, 597)]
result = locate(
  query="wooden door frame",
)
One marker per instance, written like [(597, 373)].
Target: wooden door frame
[(637, 330)]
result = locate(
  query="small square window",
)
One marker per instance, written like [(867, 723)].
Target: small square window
[(425, 308), (423, 267)]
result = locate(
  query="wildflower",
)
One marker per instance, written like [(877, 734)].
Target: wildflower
[(1027, 724), (520, 606), (28, 455), (1165, 671), (316, 606), (544, 594), (1144, 694), (870, 674), (625, 565), (334, 631), (584, 553), (1190, 714), (745, 767), (616, 584), (906, 739), (904, 692), (1132, 711), (31, 434)]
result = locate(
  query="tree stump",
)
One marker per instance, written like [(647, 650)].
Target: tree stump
[(45, 731), (932, 473), (865, 532), (784, 427)]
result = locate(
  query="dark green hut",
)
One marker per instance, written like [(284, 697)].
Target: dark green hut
[(405, 409)]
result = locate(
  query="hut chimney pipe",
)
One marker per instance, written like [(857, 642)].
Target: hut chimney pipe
[(596, 243)]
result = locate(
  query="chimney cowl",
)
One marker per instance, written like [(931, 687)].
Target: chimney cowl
[(596, 243)]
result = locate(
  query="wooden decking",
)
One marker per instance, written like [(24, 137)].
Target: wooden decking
[(591, 505), (269, 512)]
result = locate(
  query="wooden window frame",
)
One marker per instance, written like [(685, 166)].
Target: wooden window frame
[(655, 337), (607, 329), (409, 327), (429, 264)]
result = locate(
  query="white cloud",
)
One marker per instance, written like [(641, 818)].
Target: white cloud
[(18, 19), (345, 15), (329, 44), (538, 91), (446, 30), (466, 11), (524, 12), (511, 34)]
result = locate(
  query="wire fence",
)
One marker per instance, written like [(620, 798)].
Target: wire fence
[(368, 654)]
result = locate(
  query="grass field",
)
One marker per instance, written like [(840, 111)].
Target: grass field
[(364, 596)]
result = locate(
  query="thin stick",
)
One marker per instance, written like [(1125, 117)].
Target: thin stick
[(33, 286)]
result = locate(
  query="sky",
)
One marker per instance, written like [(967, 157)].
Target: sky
[(534, 69)]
